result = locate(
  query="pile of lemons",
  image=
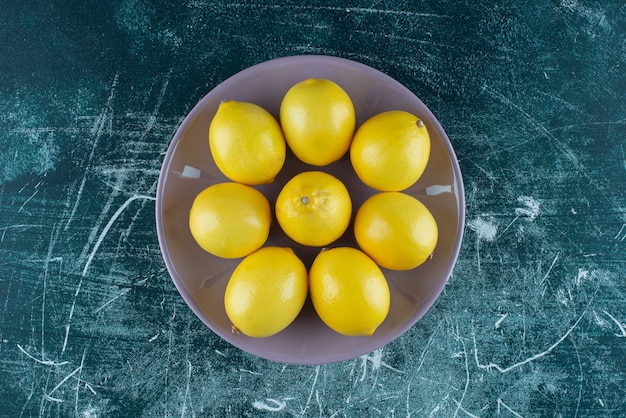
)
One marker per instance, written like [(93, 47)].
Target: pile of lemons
[(268, 288)]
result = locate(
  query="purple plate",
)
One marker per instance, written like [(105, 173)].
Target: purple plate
[(188, 168)]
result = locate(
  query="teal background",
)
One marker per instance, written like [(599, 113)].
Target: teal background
[(533, 98)]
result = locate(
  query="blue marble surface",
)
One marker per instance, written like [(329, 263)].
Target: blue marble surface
[(533, 97)]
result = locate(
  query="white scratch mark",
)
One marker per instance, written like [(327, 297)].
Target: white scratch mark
[(250, 371), (105, 230), (490, 366), (582, 275), (170, 339), (484, 229), (376, 358), (65, 379), (122, 293), (438, 407), (534, 122), (88, 386), (80, 371), (562, 297), (427, 347), (594, 18), (50, 399), (154, 338), (580, 379), (489, 175), (54, 234), (28, 200), (44, 362), (319, 403), (499, 321), (458, 404), (184, 408), (531, 209), (308, 401), (550, 269), (601, 322), (561, 146), (505, 406), (153, 117), (408, 397), (364, 10), (467, 380), (91, 412), (93, 234), (220, 353), (95, 248), (508, 226), (620, 233), (272, 405), (619, 325), (69, 320), (20, 226), (97, 128)]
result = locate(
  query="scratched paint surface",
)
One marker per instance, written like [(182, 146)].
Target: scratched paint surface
[(533, 320)]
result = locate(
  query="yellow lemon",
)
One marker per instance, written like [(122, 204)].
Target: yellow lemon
[(230, 220), (318, 120), (314, 208), (349, 291), (266, 292), (390, 150), (396, 230), (246, 142)]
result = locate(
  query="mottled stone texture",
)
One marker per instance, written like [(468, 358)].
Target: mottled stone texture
[(532, 322)]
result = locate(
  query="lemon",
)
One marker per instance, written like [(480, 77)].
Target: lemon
[(314, 208), (266, 292), (390, 150), (349, 291), (230, 220), (318, 120), (246, 142), (396, 230)]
